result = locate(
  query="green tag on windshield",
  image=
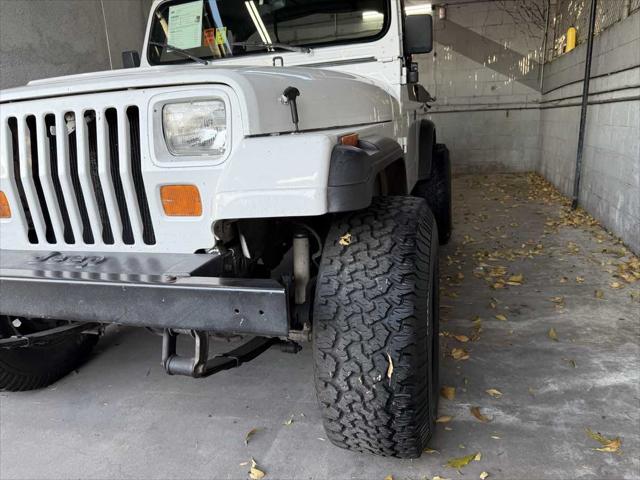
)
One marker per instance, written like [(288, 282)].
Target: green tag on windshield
[(185, 25)]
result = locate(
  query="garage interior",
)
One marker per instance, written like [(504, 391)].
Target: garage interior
[(540, 302)]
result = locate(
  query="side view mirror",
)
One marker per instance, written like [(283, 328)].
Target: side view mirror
[(130, 59), (418, 34)]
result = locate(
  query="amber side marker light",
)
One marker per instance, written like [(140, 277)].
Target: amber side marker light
[(181, 200), (5, 210), (352, 140)]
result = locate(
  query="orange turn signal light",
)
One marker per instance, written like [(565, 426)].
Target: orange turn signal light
[(181, 200), (352, 140), (5, 210)]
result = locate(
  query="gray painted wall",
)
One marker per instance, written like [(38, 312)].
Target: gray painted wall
[(46, 38), (610, 187)]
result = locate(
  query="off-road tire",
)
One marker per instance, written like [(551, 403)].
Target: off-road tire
[(375, 307), (34, 367), (436, 190)]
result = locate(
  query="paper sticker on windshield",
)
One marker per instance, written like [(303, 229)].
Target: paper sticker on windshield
[(185, 25), (209, 36), (221, 35)]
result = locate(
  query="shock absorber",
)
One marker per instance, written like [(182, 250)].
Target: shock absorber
[(301, 266)]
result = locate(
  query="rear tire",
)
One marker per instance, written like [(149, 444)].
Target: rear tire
[(436, 190), (376, 300), (34, 367)]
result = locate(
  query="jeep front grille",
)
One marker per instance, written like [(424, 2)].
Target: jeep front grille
[(78, 176)]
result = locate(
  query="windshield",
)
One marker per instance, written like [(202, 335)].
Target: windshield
[(216, 29)]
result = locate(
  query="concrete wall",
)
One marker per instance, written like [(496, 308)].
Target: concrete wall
[(45, 38), (611, 170), (497, 116), (485, 76)]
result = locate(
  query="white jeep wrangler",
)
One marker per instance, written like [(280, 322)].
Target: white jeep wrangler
[(261, 171)]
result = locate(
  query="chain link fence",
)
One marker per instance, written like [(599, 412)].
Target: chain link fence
[(575, 13)]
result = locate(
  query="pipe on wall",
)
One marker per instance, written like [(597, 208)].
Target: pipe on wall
[(584, 106)]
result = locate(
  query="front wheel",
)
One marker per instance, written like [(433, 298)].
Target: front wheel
[(376, 328), (37, 366)]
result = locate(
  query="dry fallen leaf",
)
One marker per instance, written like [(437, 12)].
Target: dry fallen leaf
[(501, 317), (552, 334), (255, 473), (461, 461), (475, 411), (608, 445), (616, 285), (579, 279), (483, 475), (515, 280), (438, 477), (494, 393), (289, 422), (430, 450), (459, 354), (251, 433), (444, 419), (448, 392), (598, 294), (611, 447), (388, 477), (390, 367), (345, 239), (478, 457), (597, 436), (461, 338)]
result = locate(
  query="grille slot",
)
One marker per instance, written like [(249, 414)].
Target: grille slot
[(92, 134), (32, 146), (50, 124), (18, 174), (72, 132), (111, 115), (148, 235), (75, 175)]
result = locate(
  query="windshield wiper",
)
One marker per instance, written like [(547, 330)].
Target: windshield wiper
[(282, 46), (184, 53)]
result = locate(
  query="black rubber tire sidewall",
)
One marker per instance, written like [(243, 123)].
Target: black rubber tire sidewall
[(373, 300), (437, 191), (39, 366)]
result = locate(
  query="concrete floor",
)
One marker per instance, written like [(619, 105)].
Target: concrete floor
[(120, 416)]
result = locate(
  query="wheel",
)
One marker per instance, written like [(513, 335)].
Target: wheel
[(376, 329), (37, 366), (437, 191)]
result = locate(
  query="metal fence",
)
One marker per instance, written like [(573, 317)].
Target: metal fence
[(575, 13)]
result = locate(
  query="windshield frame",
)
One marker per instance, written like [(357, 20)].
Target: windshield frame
[(388, 13)]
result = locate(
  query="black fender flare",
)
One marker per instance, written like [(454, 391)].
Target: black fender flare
[(421, 146), (354, 169)]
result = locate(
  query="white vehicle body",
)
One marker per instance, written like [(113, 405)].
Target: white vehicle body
[(283, 193), (270, 170)]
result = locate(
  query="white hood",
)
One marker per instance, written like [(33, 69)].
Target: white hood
[(328, 99)]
